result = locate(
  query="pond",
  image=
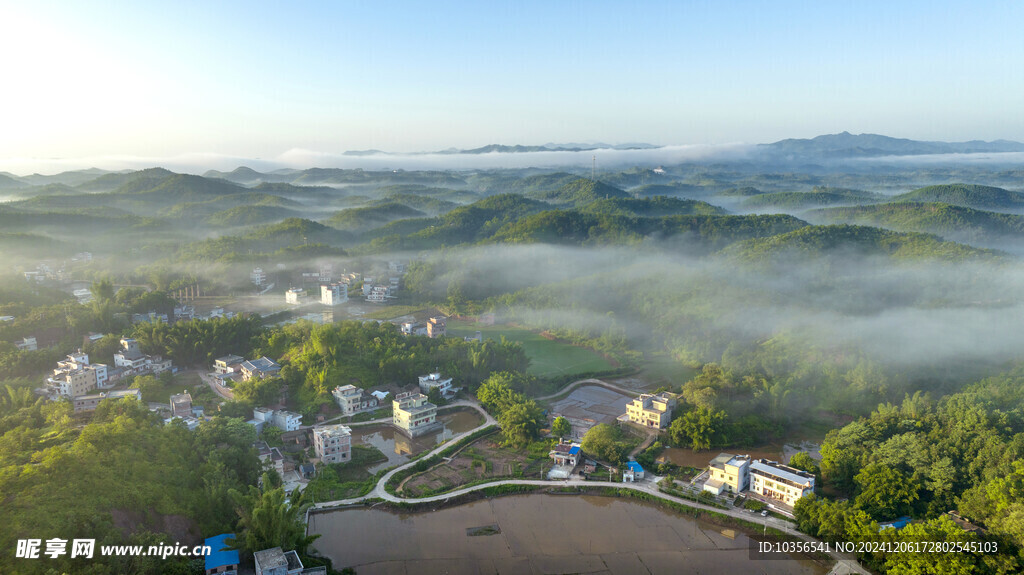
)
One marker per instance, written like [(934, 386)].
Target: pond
[(539, 534), (398, 448)]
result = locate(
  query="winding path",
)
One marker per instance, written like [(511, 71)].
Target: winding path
[(844, 563)]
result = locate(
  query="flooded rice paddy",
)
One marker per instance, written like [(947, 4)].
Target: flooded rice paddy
[(398, 448), (539, 534)]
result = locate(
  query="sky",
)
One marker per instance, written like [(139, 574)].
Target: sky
[(100, 81)]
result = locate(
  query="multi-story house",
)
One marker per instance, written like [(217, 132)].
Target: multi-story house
[(228, 364), (413, 414), (652, 410), (333, 294), (333, 443), (781, 482), (435, 381), (729, 473), (259, 368), (352, 399), (295, 296), (181, 405), (436, 327)]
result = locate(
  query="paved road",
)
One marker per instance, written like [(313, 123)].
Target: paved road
[(598, 382), (461, 402), (220, 391), (845, 564)]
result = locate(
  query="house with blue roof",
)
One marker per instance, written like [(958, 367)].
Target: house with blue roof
[(221, 559), (633, 472), (565, 453)]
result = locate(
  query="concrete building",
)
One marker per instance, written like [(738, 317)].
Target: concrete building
[(652, 410), (333, 294), (729, 473), (287, 420), (277, 562), (781, 482), (181, 405), (352, 399), (258, 277), (436, 326), (633, 472), (413, 414), (27, 344), (259, 368), (90, 402), (134, 362), (228, 364), (295, 296), (333, 443), (565, 453), (435, 381), (413, 328), (378, 294)]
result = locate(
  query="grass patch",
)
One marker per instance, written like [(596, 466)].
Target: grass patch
[(548, 358), (347, 480), (393, 311)]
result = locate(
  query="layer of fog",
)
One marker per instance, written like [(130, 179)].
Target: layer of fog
[(902, 314)]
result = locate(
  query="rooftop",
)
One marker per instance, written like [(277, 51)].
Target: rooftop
[(635, 467), (271, 558), (219, 556), (786, 472)]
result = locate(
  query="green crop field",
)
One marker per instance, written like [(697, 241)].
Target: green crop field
[(547, 358)]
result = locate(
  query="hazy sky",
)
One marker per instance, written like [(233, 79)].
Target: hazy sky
[(257, 79)]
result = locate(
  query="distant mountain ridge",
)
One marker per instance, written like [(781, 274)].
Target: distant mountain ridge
[(847, 145)]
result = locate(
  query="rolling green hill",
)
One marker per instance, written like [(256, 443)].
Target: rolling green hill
[(846, 240), (248, 215), (362, 219), (955, 223), (966, 195), (652, 207), (818, 197), (579, 191)]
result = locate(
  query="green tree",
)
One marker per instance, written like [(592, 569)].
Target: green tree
[(604, 442), (803, 460), (699, 427), (102, 290), (266, 520), (884, 492), (520, 423), (561, 427)]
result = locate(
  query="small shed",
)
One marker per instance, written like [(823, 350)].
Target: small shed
[(221, 559), (633, 472)]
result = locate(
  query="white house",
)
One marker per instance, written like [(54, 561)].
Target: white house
[(295, 296), (435, 381), (333, 294)]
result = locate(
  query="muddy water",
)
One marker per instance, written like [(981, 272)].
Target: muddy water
[(398, 448), (701, 459), (539, 534)]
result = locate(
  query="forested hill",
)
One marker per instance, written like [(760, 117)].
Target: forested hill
[(846, 240), (967, 195), (955, 223), (580, 191), (817, 197)]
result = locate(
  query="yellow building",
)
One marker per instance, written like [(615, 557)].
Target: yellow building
[(652, 410), (781, 482), (729, 473), (413, 414)]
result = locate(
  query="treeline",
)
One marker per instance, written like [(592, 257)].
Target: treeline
[(122, 478), (317, 358), (925, 457)]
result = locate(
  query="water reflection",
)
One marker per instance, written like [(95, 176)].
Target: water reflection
[(398, 448), (539, 533)]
